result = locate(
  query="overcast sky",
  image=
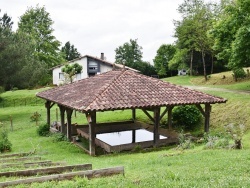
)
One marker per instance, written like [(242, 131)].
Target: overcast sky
[(96, 26)]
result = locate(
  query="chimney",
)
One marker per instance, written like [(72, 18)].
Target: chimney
[(102, 56)]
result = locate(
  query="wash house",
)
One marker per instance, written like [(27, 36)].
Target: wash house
[(120, 90)]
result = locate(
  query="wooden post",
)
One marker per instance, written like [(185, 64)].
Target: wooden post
[(47, 105), (156, 125), (56, 114), (207, 117), (133, 136), (133, 115), (91, 117), (11, 123), (69, 115), (62, 119), (170, 108)]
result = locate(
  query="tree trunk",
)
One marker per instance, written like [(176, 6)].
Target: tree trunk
[(212, 66), (204, 64), (191, 63)]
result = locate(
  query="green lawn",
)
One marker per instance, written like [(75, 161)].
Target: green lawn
[(167, 167)]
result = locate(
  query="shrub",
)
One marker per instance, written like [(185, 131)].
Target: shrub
[(184, 142), (35, 117), (186, 117), (58, 137), (43, 130), (5, 144), (236, 131), (239, 73)]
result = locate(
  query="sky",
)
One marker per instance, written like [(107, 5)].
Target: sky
[(100, 26)]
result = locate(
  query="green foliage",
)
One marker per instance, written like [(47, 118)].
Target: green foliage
[(129, 53), (184, 142), (72, 70), (237, 132), (217, 141), (36, 22), (187, 117), (239, 73), (35, 116), (58, 137), (164, 54), (5, 144), (70, 51), (43, 130)]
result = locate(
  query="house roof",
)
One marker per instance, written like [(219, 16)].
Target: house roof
[(124, 89), (98, 59)]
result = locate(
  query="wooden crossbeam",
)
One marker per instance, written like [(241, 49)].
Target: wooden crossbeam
[(67, 176), (49, 170), (149, 116), (201, 109)]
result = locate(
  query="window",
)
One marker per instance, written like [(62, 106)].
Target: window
[(61, 76), (93, 67)]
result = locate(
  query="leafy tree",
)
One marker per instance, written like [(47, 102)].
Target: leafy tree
[(192, 30), (178, 60), (15, 50), (164, 54), (72, 70), (129, 53), (37, 23), (70, 51)]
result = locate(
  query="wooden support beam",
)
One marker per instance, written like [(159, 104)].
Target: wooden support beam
[(133, 136), (201, 109), (91, 117), (170, 108), (48, 105), (49, 170), (207, 117), (67, 176), (163, 113), (133, 115), (69, 115), (149, 116), (62, 119), (157, 112)]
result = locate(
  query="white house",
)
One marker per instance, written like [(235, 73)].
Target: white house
[(90, 67)]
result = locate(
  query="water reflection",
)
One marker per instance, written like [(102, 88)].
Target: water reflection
[(125, 137)]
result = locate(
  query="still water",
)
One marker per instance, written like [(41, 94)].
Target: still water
[(125, 137)]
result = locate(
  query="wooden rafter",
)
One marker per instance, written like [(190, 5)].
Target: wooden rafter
[(149, 116)]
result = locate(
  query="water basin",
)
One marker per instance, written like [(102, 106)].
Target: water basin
[(125, 137)]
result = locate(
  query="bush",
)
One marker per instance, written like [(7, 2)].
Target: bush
[(5, 144), (187, 117), (58, 137), (43, 130), (239, 73)]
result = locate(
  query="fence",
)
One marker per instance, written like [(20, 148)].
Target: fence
[(21, 102)]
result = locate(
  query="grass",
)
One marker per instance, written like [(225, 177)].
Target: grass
[(166, 167), (214, 80)]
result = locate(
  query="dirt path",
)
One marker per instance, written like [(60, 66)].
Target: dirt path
[(218, 89)]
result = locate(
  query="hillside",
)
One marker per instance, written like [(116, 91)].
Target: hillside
[(164, 167)]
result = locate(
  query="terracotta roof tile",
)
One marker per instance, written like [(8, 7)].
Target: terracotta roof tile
[(123, 89)]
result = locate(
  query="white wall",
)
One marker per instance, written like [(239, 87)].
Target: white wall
[(84, 74)]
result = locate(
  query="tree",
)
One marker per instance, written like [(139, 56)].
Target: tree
[(164, 54), (72, 70), (129, 53), (197, 20), (15, 58), (70, 51), (232, 34), (37, 23)]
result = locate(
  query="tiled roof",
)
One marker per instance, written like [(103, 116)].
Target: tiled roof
[(124, 89)]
